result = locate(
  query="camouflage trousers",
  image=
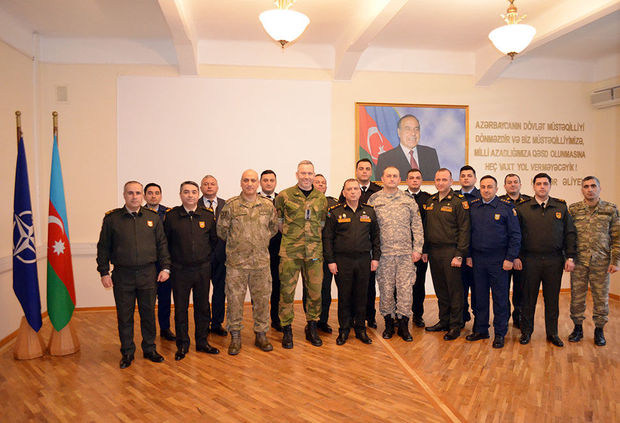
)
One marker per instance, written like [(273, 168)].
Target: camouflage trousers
[(395, 272), (237, 283), (313, 281), (598, 279)]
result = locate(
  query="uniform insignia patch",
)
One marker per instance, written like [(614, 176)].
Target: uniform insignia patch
[(497, 216), (429, 207), (364, 218), (149, 223), (558, 215), (465, 205), (344, 219), (446, 208), (202, 224)]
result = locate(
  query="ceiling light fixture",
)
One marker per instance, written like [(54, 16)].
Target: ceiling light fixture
[(513, 37), (282, 24)]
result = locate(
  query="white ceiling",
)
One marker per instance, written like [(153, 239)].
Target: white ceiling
[(585, 30)]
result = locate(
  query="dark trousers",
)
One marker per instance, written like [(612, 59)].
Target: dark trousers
[(517, 293), (548, 270), (448, 287), (371, 298), (488, 274), (164, 293), (467, 276), (131, 284), (419, 292), (352, 282), (326, 293), (218, 300), (184, 280), (274, 264)]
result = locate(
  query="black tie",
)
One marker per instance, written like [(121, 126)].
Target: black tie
[(364, 189), (134, 214)]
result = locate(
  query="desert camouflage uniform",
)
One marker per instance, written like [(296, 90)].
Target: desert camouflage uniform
[(247, 228), (302, 220), (598, 246), (401, 234)]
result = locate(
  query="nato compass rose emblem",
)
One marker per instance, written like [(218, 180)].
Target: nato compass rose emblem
[(23, 238)]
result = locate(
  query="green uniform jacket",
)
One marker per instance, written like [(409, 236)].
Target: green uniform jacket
[(247, 227), (129, 241), (448, 223), (302, 220), (598, 233)]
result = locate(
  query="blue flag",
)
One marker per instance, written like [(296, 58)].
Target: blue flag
[(25, 278)]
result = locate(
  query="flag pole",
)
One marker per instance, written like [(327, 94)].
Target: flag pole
[(28, 344), (65, 341)]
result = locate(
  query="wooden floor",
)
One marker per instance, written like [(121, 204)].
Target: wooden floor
[(428, 380)]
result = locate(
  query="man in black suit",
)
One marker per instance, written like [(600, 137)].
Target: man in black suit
[(409, 155), (414, 184), (152, 196), (268, 182), (210, 200)]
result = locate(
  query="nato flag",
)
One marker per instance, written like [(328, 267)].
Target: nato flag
[(25, 279)]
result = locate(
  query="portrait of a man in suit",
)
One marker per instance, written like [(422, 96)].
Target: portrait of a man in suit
[(410, 154)]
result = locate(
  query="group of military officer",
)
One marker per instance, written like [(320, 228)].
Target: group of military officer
[(372, 234)]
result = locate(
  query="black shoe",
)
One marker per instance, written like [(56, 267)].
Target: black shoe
[(362, 336), (525, 338), (437, 328), (180, 354), (576, 335), (372, 324), (343, 335), (476, 336), (126, 361), (555, 340), (287, 337), (452, 334), (206, 348), (389, 327), (403, 329), (498, 342), (277, 326), (167, 334), (599, 337), (418, 321), (219, 330), (324, 327), (154, 356), (311, 334)]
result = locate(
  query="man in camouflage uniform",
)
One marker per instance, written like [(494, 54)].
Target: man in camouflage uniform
[(301, 215), (598, 255), (402, 238), (247, 223)]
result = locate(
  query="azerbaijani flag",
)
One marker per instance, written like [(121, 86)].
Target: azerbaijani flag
[(25, 277), (60, 288)]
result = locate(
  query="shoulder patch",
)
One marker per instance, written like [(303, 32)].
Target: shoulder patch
[(146, 208), (465, 205), (110, 211)]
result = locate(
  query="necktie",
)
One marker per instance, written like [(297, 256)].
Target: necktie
[(210, 204), (543, 206), (364, 189), (412, 162)]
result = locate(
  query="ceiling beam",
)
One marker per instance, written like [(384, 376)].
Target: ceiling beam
[(181, 27), (375, 16), (16, 34), (560, 20)]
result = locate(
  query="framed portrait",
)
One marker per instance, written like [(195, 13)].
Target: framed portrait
[(429, 137)]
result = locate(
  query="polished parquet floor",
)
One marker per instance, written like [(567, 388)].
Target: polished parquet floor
[(428, 380)]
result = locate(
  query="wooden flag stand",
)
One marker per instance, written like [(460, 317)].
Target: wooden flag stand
[(64, 342), (29, 344)]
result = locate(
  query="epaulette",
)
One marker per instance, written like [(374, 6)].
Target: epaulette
[(146, 208), (369, 205), (560, 200), (475, 200), (110, 211), (460, 195), (333, 207), (168, 209), (504, 201)]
